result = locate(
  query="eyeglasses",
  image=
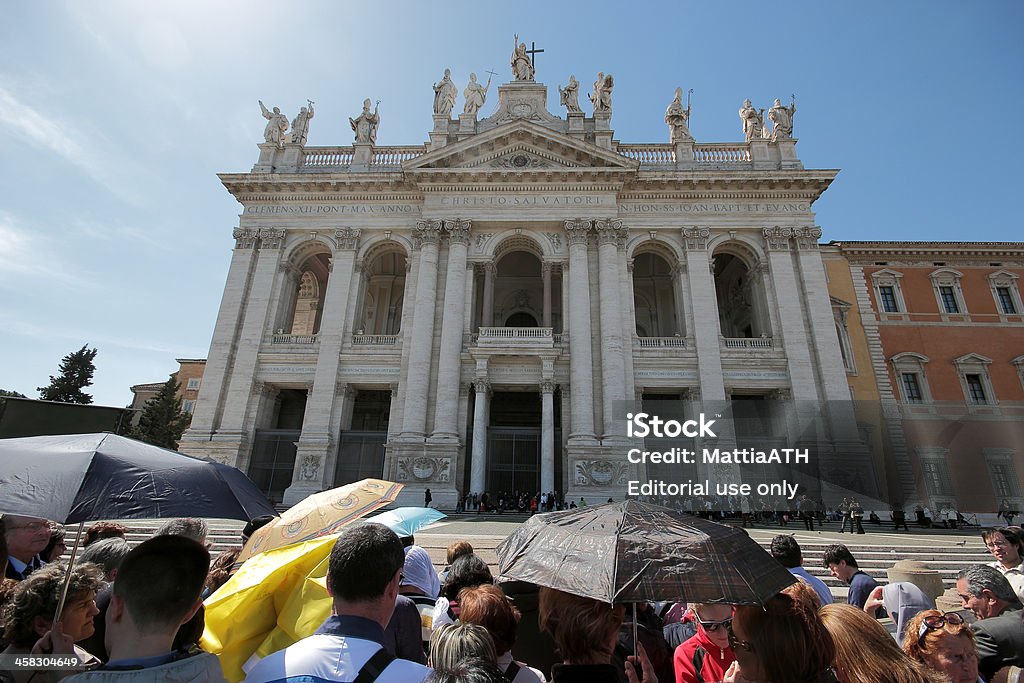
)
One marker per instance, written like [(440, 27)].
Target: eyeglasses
[(934, 622), (736, 643), (712, 626)]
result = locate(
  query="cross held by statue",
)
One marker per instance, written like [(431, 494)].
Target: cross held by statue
[(532, 52)]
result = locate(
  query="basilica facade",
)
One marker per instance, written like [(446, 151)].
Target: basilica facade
[(466, 315)]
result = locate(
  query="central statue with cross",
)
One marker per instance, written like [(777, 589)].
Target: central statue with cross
[(523, 67)]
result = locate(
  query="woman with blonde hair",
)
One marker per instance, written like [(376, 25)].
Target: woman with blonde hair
[(866, 653), (944, 643), (450, 644)]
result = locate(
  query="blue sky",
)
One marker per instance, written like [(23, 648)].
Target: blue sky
[(116, 116)]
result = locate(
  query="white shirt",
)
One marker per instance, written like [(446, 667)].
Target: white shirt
[(1015, 575), (526, 674)]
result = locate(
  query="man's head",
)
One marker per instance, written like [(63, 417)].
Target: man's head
[(189, 527), (157, 588), (365, 564), (1005, 545), (786, 550), (108, 553), (26, 536), (840, 562), (254, 525), (985, 591)]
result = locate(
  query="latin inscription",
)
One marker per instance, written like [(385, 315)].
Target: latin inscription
[(532, 200), (331, 209), (714, 208)]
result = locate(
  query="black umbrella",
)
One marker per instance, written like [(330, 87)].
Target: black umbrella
[(635, 552)]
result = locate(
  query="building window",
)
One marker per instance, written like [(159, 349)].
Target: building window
[(1006, 303), (188, 406), (841, 314), (948, 300), (193, 384), (975, 389), (1004, 479), (936, 478), (912, 388), (888, 299), (975, 379)]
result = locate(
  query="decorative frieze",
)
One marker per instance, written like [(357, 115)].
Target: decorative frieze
[(602, 473), (777, 237), (556, 241), (347, 238), (695, 237), (424, 469), (310, 470), (244, 239)]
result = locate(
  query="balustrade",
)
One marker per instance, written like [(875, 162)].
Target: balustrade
[(327, 157), (374, 339), (748, 343), (294, 339), (721, 153), (650, 155), (660, 342), (514, 336), (394, 156)]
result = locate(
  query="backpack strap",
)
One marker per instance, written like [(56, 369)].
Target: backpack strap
[(512, 671), (698, 662), (374, 666)]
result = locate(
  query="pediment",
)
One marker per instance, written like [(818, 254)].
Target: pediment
[(520, 146)]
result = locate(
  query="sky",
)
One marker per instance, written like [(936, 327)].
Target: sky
[(115, 118)]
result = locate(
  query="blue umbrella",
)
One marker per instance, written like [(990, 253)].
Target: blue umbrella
[(407, 521)]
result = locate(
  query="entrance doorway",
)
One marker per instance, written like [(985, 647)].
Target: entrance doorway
[(513, 443)]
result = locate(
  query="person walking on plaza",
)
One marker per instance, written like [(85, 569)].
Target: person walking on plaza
[(806, 509), (899, 518), (363, 574), (841, 564), (856, 516), (844, 512), (427, 498)]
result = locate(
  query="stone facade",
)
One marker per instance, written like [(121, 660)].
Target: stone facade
[(464, 315)]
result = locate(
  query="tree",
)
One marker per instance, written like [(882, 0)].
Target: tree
[(162, 421), (76, 370), (11, 394)]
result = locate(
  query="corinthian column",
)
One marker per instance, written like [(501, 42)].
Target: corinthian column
[(581, 362), (547, 436), (415, 414), (446, 405), (610, 235), (478, 468)]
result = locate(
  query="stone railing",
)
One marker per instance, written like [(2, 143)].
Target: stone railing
[(294, 339), (716, 153), (326, 157), (394, 156), (374, 339), (650, 154), (533, 337), (659, 342), (747, 342)]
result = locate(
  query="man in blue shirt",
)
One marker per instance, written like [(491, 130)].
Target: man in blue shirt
[(842, 564), (787, 551)]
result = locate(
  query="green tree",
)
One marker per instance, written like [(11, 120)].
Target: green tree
[(162, 421), (12, 394), (76, 371)]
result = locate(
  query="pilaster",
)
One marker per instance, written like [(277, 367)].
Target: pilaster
[(610, 235), (704, 305), (581, 362), (450, 360), (414, 426)]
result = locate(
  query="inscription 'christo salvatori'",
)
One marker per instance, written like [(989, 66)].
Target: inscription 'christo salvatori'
[(714, 456), (535, 200), (712, 208), (330, 209)]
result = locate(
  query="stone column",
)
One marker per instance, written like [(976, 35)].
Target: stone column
[(320, 426), (478, 468), (449, 364), (488, 312), (581, 364), (703, 304), (415, 413), (545, 273), (547, 436), (611, 235), (798, 358), (222, 347)]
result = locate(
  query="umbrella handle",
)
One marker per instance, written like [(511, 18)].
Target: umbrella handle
[(67, 575)]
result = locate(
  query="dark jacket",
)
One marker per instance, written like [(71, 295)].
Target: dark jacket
[(999, 642)]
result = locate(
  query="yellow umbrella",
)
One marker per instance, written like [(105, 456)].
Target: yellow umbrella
[(322, 514)]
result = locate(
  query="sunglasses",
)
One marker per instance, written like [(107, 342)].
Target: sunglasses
[(735, 643), (935, 622), (712, 626)]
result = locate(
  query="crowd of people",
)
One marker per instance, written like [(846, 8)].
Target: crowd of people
[(136, 614)]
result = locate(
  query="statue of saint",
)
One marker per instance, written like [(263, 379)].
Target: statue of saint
[(277, 124), (522, 67), (300, 126), (475, 94), (444, 94), (678, 119), (753, 122), (782, 120), (601, 98), (570, 96), (365, 126)]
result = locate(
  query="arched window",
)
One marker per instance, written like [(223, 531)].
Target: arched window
[(654, 299), (383, 294), (742, 305)]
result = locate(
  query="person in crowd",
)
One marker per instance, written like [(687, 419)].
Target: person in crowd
[(57, 545), (363, 573), (866, 653), (489, 607), (841, 563), (901, 600), (650, 635), (532, 644), (156, 592), (787, 551), (470, 670), (101, 530), (943, 643), (403, 636), (1007, 512), (220, 571), (189, 527), (108, 554), (28, 617), (782, 642), (26, 538), (1007, 547), (450, 644), (466, 572), (255, 524), (707, 655), (456, 550), (802, 592), (421, 587), (999, 629), (585, 632), (899, 518), (844, 512)]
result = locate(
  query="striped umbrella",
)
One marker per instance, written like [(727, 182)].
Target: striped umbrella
[(635, 552), (322, 514)]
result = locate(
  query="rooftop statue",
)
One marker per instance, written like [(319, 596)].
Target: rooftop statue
[(570, 96), (522, 67), (782, 119), (753, 122), (445, 93), (601, 98), (678, 118), (475, 94), (365, 126), (277, 124), (300, 126)]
